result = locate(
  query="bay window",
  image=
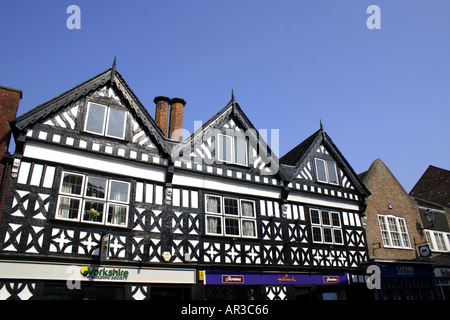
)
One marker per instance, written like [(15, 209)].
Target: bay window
[(326, 227), (93, 199), (230, 216)]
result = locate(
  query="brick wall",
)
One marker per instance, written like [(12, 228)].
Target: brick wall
[(385, 190), (9, 102)]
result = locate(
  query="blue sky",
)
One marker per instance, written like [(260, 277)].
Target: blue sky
[(381, 93)]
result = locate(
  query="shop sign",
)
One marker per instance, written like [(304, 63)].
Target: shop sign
[(330, 279), (420, 271), (268, 278), (232, 279), (405, 270), (99, 273), (442, 272)]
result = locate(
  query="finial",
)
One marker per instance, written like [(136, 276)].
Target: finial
[(321, 126), (113, 71), (232, 95)]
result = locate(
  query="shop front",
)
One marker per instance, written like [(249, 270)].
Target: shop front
[(274, 285), (407, 282), (57, 281), (442, 276)]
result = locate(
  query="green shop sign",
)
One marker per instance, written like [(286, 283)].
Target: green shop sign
[(100, 273)]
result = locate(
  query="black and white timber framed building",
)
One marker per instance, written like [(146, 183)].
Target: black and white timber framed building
[(99, 194)]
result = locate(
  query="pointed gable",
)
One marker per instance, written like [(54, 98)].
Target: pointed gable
[(318, 160), (69, 112), (227, 140)]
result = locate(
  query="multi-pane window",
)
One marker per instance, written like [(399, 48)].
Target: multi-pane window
[(394, 232), (326, 226), (438, 241), (105, 121), (326, 171), (230, 216), (93, 199), (232, 149)]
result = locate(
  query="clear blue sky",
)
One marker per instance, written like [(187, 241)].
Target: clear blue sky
[(380, 93)]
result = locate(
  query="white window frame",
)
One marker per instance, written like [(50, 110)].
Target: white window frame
[(394, 229), (233, 149), (439, 241), (222, 216), (327, 174), (106, 201), (106, 119), (321, 226)]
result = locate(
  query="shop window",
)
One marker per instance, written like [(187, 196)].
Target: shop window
[(105, 121), (230, 216), (93, 199), (326, 227)]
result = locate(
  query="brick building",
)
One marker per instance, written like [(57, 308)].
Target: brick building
[(394, 233), (432, 194)]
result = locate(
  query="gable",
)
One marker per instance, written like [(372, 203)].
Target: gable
[(317, 161), (73, 117), (227, 140), (323, 167), (67, 114)]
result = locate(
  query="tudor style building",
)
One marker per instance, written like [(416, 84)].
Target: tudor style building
[(104, 203)]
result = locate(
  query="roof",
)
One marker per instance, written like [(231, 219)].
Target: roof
[(295, 156), (111, 76), (434, 186)]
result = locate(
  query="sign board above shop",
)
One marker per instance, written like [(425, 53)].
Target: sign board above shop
[(103, 273), (273, 278)]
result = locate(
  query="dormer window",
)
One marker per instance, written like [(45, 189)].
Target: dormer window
[(105, 121), (232, 149), (326, 171)]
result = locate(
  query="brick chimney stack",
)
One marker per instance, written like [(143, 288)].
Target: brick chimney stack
[(176, 118), (162, 112), (9, 102)]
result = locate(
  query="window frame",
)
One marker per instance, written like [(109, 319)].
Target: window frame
[(233, 139), (438, 245), (106, 120), (393, 232), (326, 164), (83, 199), (225, 217), (320, 228)]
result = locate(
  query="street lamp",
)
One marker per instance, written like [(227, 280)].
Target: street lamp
[(430, 215)]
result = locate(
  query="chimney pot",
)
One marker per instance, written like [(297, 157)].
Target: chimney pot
[(162, 112), (176, 118)]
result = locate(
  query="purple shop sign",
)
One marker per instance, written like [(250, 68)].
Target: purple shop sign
[(268, 278)]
